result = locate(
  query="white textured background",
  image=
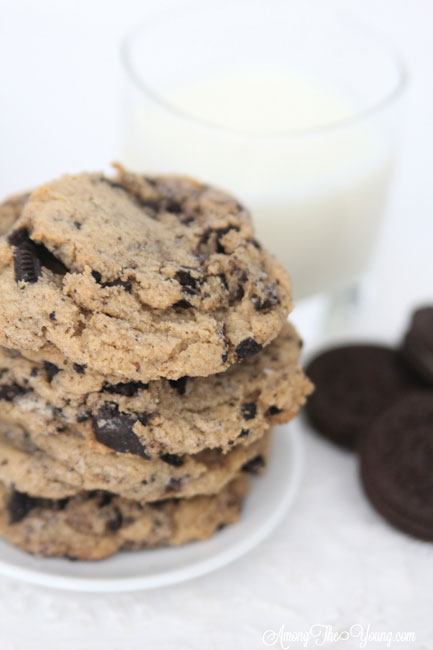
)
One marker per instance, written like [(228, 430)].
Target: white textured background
[(333, 561)]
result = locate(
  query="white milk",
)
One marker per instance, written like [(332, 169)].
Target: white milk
[(316, 196)]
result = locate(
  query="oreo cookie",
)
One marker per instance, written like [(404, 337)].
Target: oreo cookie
[(396, 460), (417, 347), (353, 385)]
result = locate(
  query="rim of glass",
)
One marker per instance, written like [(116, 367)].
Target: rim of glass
[(402, 80)]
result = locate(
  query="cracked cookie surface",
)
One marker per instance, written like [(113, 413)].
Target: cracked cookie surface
[(137, 277)]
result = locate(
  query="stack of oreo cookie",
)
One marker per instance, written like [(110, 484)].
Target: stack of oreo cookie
[(145, 356), (379, 401)]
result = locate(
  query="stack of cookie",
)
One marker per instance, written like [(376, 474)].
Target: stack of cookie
[(378, 400), (145, 357)]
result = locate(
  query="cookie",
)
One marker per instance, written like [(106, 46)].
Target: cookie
[(353, 384), (62, 465), (161, 417), (417, 347), (396, 456), (138, 277), (95, 525)]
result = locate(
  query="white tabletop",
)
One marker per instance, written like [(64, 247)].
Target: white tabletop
[(333, 562)]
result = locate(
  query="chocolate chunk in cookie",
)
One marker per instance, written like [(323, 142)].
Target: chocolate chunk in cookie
[(128, 389), (19, 506), (80, 368), (26, 263), (173, 459), (179, 384), (187, 281), (247, 348), (18, 236), (174, 484), (249, 410), (255, 465), (116, 520), (111, 283), (9, 392), (115, 430), (51, 369)]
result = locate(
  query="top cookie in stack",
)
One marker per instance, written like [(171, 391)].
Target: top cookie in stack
[(139, 278), (145, 359)]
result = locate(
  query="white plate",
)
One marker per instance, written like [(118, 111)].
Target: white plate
[(265, 506)]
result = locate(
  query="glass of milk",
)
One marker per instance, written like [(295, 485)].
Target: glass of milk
[(289, 105)]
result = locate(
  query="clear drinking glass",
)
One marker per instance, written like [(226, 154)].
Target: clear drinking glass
[(291, 106)]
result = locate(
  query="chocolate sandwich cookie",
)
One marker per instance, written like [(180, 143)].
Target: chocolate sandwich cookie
[(353, 384), (396, 456), (95, 525), (137, 277), (417, 347)]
